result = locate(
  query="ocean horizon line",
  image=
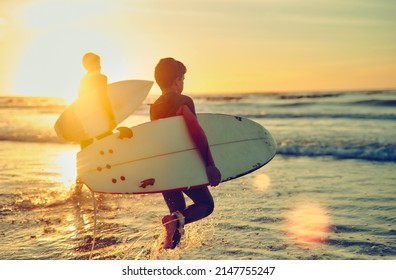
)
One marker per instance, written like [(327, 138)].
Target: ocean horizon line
[(258, 92)]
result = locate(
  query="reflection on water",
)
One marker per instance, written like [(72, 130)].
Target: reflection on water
[(66, 163)]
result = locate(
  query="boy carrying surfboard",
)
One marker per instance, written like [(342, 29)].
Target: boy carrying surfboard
[(93, 86), (169, 75)]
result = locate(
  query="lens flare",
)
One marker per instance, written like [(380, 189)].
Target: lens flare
[(308, 223), (262, 182)]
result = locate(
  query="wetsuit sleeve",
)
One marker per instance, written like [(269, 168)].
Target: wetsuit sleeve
[(197, 134), (95, 86), (190, 104), (81, 88), (104, 98)]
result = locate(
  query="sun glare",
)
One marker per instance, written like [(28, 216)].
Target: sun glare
[(50, 64), (66, 162), (47, 13)]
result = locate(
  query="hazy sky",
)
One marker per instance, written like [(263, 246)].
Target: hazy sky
[(227, 45)]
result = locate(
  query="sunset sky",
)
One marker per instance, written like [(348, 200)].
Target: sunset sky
[(228, 46)]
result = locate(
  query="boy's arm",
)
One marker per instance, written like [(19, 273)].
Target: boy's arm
[(201, 142), (105, 100)]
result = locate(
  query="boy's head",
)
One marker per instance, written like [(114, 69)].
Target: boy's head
[(167, 71), (91, 61)]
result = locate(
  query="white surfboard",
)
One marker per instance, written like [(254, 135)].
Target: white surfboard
[(85, 119), (160, 156)]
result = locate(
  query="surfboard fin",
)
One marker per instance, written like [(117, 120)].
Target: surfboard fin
[(146, 183), (125, 132)]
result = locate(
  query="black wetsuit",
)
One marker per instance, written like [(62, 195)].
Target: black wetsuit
[(164, 107)]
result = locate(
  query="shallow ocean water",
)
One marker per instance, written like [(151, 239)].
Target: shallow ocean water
[(293, 208), (328, 194)]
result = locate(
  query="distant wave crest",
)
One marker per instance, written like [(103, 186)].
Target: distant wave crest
[(322, 116), (375, 102), (31, 138), (372, 152)]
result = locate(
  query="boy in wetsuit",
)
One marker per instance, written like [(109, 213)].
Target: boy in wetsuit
[(93, 86), (169, 75)]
